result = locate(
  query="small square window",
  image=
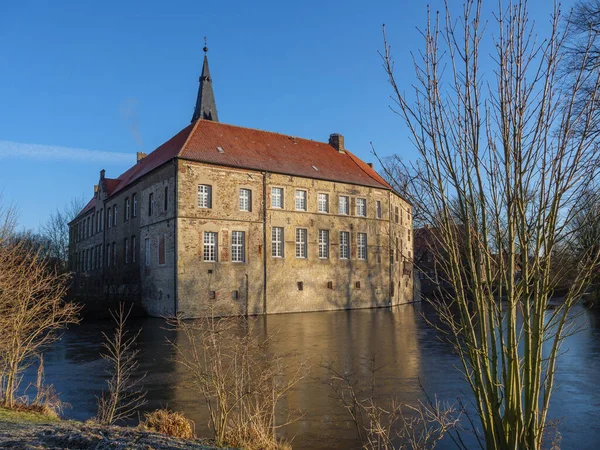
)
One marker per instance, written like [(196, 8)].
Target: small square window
[(300, 285), (357, 285), (212, 295), (235, 295), (330, 285)]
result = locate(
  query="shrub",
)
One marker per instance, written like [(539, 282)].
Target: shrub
[(170, 423)]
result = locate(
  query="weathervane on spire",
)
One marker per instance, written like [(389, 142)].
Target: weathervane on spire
[(205, 47)]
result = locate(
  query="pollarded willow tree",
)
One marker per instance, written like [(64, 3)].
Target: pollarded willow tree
[(505, 154)]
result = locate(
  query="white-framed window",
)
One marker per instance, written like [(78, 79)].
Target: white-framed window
[(277, 197), (323, 202), (100, 256), (147, 251), (300, 200), (361, 241), (301, 235), (134, 201), (361, 207), (323, 244), (344, 205), (245, 200), (109, 221), (378, 209), (150, 204), (204, 196), (277, 242), (127, 208), (133, 249), (97, 221), (114, 215), (210, 246), (237, 246), (102, 219), (126, 245), (344, 244)]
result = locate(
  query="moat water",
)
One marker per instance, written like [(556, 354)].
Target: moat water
[(406, 347)]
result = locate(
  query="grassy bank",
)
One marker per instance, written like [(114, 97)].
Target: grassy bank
[(32, 430)]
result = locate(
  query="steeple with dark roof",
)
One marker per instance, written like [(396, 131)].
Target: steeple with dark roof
[(206, 108)]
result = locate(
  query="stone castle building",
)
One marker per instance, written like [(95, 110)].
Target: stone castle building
[(233, 220)]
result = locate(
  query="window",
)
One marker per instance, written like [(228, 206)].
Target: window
[(276, 197), (397, 249), (210, 246), (204, 196), (237, 246), (114, 215), (162, 257), (301, 234), (147, 248), (344, 205), (378, 209), (323, 201), (134, 201), (127, 209), (344, 244), (108, 253), (277, 242), (150, 204), (102, 219), (97, 221), (133, 249), (93, 257), (301, 200), (300, 285), (166, 198), (408, 232), (100, 256), (396, 214), (109, 221), (126, 245), (114, 253), (361, 207), (323, 244), (245, 200), (362, 245)]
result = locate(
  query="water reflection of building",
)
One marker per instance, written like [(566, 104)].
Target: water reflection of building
[(263, 222)]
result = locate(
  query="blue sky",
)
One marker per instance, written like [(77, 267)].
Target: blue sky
[(84, 85)]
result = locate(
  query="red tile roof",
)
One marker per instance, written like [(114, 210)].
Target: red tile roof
[(251, 149), (263, 150)]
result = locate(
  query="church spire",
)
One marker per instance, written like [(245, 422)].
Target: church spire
[(206, 108)]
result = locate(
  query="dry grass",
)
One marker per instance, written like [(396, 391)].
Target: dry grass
[(170, 423)]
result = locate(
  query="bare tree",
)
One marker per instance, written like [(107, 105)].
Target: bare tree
[(56, 232), (32, 310), (240, 379), (514, 151), (384, 423), (125, 394)]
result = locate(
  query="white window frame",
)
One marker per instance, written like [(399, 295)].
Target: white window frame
[(245, 199), (301, 200), (361, 246), (344, 245), (133, 249), (108, 254), (147, 251), (344, 205), (115, 215), (127, 208), (126, 250), (204, 196), (324, 244), (238, 242), (209, 251), (301, 243), (323, 202), (361, 207), (277, 242), (134, 201), (277, 200)]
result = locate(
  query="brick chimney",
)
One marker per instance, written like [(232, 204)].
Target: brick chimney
[(95, 190), (370, 165), (140, 156), (336, 140), (102, 172)]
